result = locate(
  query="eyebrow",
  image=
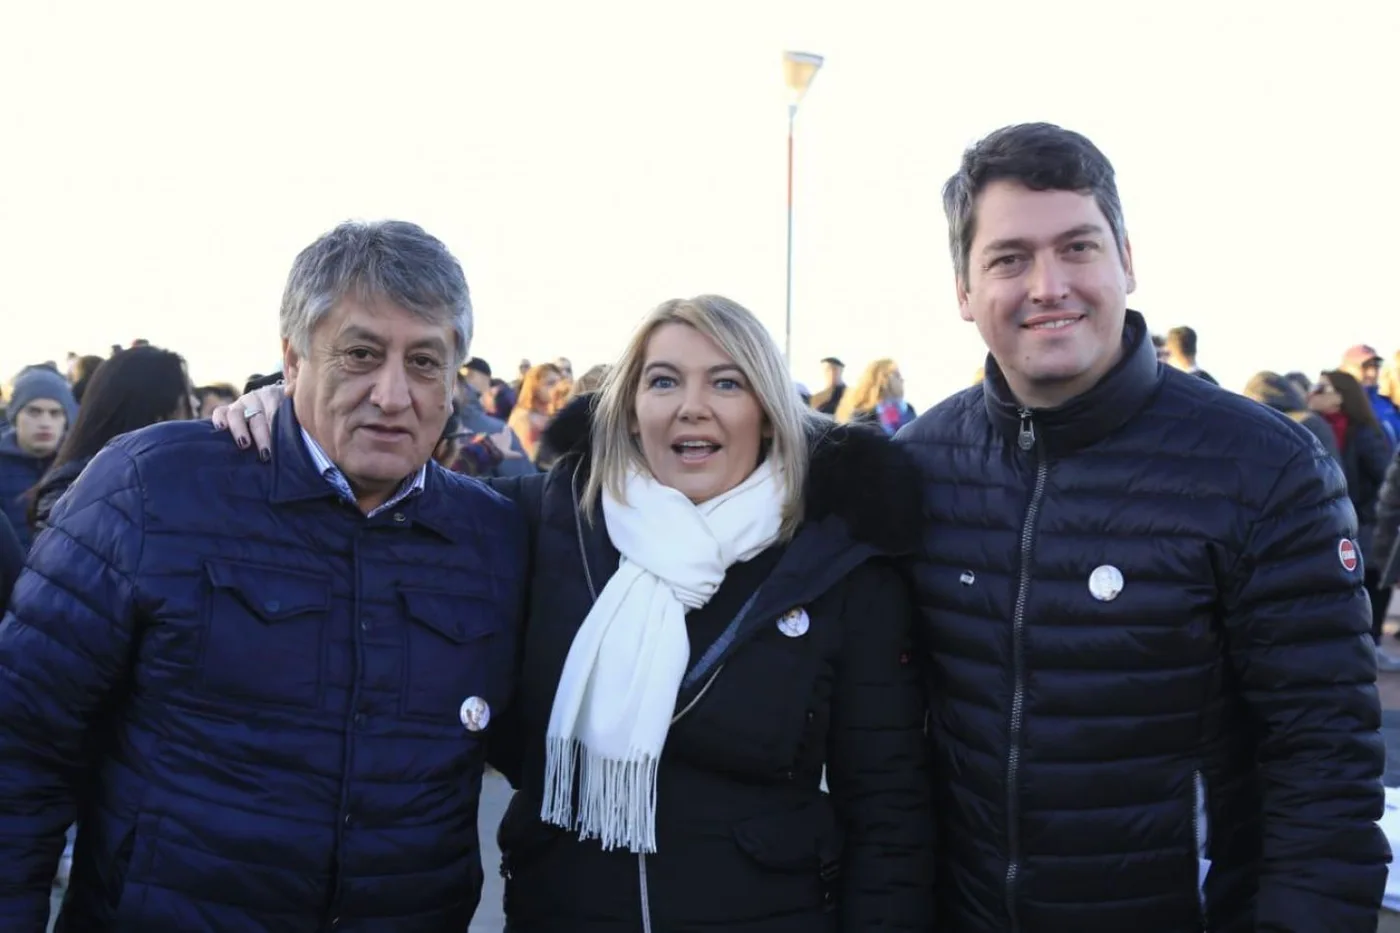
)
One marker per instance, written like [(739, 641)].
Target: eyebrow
[(355, 332), (713, 370), (997, 246)]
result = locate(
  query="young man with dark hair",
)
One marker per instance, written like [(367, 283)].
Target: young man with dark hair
[(1152, 678)]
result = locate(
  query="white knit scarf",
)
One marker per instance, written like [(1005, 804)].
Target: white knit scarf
[(618, 688)]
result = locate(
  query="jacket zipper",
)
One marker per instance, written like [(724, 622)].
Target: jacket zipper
[(593, 594), (1200, 833), (1025, 440)]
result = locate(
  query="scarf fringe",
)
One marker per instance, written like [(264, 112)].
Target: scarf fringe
[(617, 799)]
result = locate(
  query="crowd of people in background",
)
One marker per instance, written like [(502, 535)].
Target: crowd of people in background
[(498, 427)]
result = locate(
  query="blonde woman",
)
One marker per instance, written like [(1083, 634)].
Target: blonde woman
[(877, 398), (531, 413), (714, 621)]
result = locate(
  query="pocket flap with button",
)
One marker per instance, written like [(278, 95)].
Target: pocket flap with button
[(271, 594), (456, 617), (806, 839)]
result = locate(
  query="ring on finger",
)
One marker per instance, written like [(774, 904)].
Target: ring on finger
[(251, 412)]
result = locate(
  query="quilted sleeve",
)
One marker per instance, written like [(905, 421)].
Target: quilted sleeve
[(1298, 628), (877, 761), (65, 646)]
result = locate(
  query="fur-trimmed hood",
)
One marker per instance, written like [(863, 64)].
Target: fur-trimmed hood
[(856, 475)]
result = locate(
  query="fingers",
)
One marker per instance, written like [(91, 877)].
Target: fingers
[(237, 424), (219, 417), (261, 426)]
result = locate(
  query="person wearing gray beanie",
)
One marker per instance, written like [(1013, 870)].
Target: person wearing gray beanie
[(41, 409)]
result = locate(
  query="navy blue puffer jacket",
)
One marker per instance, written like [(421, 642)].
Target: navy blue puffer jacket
[(253, 692), (1151, 658)]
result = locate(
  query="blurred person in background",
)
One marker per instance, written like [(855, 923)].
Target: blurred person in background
[(212, 396), (474, 386), (1181, 353), (591, 381), (877, 398), (1364, 455), (81, 374), (41, 409), (565, 367), (145, 385), (828, 398), (1363, 364), (1283, 396), (531, 414)]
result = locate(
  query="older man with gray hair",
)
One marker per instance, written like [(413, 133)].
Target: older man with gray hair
[(267, 707)]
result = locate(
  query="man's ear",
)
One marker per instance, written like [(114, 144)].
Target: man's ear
[(291, 365), (1128, 266), (964, 309)]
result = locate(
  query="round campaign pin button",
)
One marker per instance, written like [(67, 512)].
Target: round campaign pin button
[(475, 714), (794, 623), (1346, 553), (1106, 582)]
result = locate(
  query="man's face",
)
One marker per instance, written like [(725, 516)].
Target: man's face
[(1367, 373), (1048, 290), (833, 373), (39, 427), (480, 382), (374, 392)]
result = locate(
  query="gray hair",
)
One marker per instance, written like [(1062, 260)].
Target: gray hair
[(1041, 156), (388, 259)]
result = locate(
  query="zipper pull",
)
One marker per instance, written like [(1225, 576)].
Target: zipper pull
[(1026, 439)]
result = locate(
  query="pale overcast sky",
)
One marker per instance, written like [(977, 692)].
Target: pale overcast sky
[(162, 163)]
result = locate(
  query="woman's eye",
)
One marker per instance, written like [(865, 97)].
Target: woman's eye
[(662, 382), (728, 385)]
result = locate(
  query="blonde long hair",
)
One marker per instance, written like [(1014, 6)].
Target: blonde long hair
[(869, 390), (737, 332)]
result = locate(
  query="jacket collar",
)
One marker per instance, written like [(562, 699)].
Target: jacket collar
[(296, 479), (1088, 418)]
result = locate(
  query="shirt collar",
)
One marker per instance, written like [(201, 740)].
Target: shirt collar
[(331, 473)]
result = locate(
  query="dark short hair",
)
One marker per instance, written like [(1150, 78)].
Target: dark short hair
[(1183, 340), (833, 361), (477, 364), (1040, 156)]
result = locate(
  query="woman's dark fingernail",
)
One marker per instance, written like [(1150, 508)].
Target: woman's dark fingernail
[(264, 455), (243, 443)]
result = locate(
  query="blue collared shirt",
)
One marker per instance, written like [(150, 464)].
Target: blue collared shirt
[(411, 486)]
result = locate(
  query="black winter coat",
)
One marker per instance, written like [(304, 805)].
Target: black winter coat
[(1364, 460), (1388, 525), (1150, 649), (747, 841), (51, 488)]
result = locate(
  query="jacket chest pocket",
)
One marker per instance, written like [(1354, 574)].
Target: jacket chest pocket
[(454, 651), (753, 716), (265, 634)]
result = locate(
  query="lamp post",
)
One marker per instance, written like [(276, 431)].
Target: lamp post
[(799, 68)]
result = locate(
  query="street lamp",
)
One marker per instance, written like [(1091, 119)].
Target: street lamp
[(799, 68)]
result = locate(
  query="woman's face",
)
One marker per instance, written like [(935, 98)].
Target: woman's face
[(1324, 397), (699, 422), (544, 389), (894, 385)]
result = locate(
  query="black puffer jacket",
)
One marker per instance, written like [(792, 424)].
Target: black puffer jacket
[(747, 841), (51, 488), (1139, 606)]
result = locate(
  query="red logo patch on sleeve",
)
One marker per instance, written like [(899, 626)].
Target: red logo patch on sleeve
[(1346, 553)]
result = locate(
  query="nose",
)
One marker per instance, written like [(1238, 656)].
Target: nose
[(390, 392), (1049, 285), (695, 404)]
